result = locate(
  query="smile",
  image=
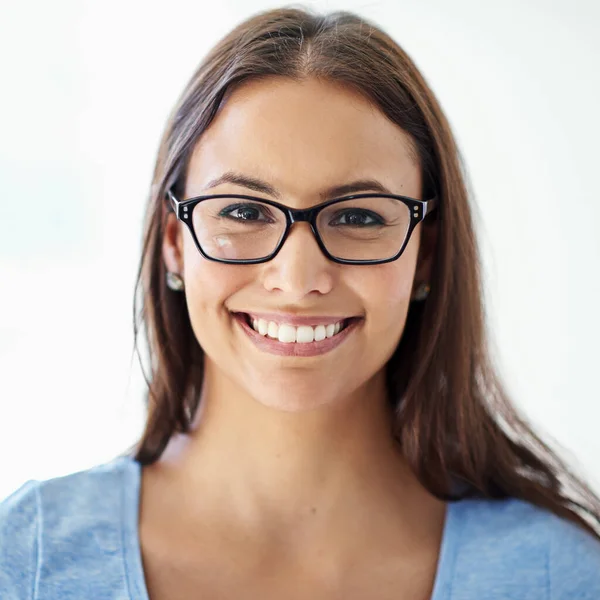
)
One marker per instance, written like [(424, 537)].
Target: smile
[(289, 334), (287, 339)]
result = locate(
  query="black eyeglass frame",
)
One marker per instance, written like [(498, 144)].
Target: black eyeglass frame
[(419, 209)]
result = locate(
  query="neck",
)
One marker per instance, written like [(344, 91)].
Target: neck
[(272, 469)]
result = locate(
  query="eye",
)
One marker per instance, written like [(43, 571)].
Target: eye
[(356, 217), (246, 212)]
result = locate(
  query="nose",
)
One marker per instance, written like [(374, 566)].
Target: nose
[(300, 268)]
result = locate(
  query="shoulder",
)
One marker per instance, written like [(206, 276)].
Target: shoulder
[(48, 526), (19, 522), (516, 546)]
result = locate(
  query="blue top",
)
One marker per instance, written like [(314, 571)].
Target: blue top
[(76, 537)]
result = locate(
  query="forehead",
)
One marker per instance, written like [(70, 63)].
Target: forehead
[(302, 137)]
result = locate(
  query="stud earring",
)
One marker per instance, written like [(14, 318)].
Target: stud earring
[(422, 292), (174, 282)]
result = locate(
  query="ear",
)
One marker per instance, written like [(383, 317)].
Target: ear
[(172, 246), (427, 246)]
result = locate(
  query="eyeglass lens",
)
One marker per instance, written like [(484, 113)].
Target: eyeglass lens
[(372, 228)]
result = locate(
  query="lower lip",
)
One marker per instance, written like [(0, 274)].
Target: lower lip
[(272, 346)]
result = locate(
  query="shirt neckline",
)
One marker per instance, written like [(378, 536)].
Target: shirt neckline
[(132, 552)]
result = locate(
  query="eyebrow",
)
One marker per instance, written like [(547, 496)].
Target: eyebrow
[(263, 187)]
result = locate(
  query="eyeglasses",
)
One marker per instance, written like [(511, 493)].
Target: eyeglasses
[(362, 229)]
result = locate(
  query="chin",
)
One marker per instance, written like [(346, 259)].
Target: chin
[(301, 399)]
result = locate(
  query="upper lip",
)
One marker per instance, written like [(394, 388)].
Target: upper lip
[(295, 320)]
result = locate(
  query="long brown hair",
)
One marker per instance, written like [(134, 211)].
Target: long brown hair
[(453, 420)]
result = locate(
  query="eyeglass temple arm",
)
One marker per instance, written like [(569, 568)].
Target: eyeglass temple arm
[(430, 205), (173, 202)]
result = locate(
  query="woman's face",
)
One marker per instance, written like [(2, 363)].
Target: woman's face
[(301, 139)]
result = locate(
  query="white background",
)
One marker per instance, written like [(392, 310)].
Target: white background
[(86, 89)]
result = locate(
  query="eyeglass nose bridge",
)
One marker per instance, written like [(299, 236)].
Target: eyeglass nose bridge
[(299, 215)]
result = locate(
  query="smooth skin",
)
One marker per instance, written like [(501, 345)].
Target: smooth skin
[(290, 485)]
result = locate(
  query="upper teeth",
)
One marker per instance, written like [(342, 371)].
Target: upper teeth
[(288, 333)]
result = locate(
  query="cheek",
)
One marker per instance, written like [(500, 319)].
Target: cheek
[(208, 285), (389, 292), (386, 291), (396, 284), (398, 277)]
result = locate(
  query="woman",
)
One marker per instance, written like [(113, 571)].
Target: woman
[(323, 419)]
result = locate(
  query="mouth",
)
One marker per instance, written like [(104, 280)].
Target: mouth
[(286, 333), (283, 338)]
